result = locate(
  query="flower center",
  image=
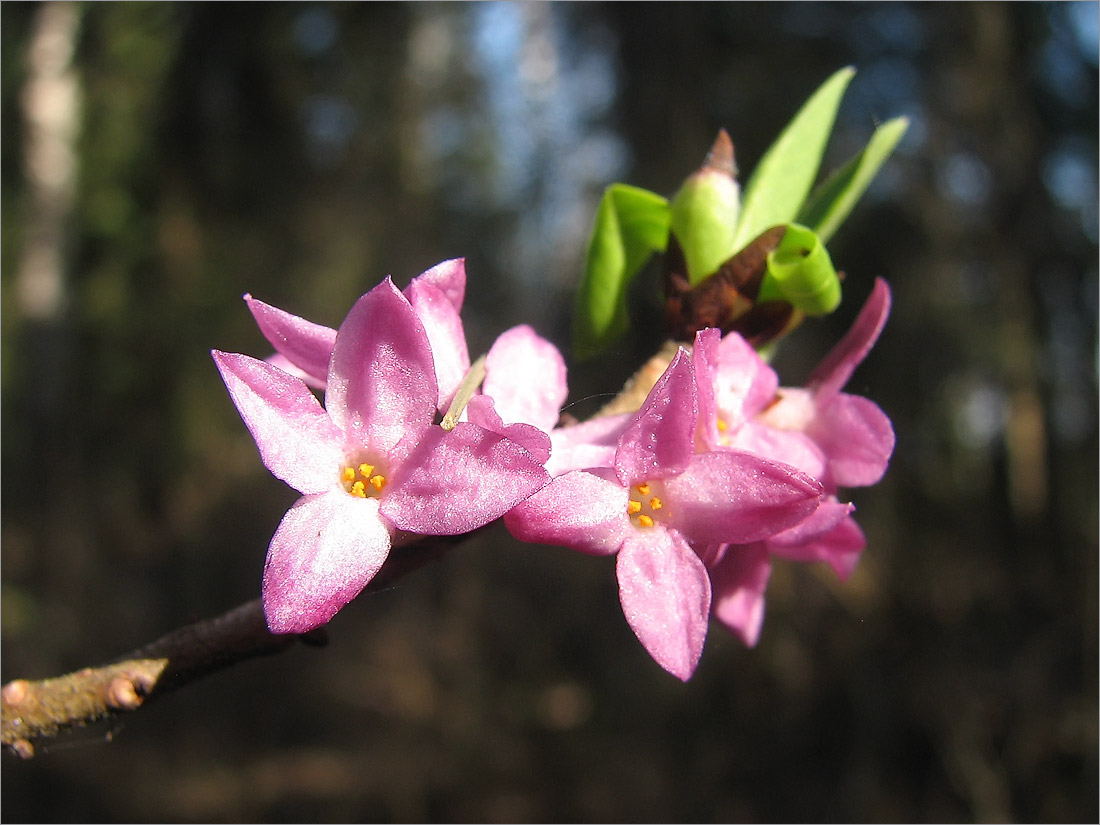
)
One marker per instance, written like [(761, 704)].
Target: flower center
[(723, 431), (645, 506), (362, 480)]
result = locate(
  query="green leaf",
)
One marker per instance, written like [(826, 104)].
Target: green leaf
[(631, 225), (801, 273), (783, 177), (832, 202)]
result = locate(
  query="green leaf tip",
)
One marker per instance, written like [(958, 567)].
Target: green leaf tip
[(631, 225), (832, 202), (800, 272), (782, 179)]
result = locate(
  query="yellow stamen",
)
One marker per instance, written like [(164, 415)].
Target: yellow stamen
[(642, 488), (633, 507), (721, 425), (361, 480), (655, 503), (645, 521)]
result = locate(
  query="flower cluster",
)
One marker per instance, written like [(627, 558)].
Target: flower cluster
[(718, 471)]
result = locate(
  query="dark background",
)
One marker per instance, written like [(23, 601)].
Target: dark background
[(301, 153)]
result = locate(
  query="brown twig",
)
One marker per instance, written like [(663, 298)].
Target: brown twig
[(42, 709)]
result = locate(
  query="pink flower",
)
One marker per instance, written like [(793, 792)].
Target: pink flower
[(304, 349), (842, 440), (371, 461), (661, 499), (525, 373)]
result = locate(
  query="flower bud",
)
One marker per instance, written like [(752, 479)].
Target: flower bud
[(704, 212)]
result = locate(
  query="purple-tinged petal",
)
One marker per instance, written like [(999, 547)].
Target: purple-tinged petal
[(480, 411), (445, 336), (739, 579), (297, 440), (587, 445), (525, 375), (840, 548), (665, 593), (660, 441), (830, 376), (283, 363), (744, 377), (824, 519), (703, 358), (582, 510), (306, 345), (381, 385), (325, 551), (454, 482), (858, 438), (730, 496), (784, 446), (449, 277), (741, 382)]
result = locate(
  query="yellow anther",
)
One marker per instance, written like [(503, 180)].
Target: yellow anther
[(348, 474), (643, 489), (358, 489), (655, 503), (645, 521), (365, 470), (633, 507), (378, 482), (721, 425)]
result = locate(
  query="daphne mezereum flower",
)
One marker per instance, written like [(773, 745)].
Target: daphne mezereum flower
[(660, 499), (524, 373), (842, 440), (304, 348), (371, 461)]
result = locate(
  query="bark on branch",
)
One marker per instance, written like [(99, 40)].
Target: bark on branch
[(35, 710)]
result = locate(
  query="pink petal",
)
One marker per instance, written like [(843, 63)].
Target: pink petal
[(585, 511), (455, 482), (660, 440), (830, 376), (742, 384), (730, 496), (298, 441), (743, 377), (840, 548), (306, 345), (823, 520), (784, 446), (703, 355), (448, 277), (381, 384), (583, 446), (480, 411), (665, 593), (283, 363), (858, 438), (445, 336), (739, 579), (326, 550), (525, 375)]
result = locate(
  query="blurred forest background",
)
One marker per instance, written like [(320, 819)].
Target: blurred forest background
[(159, 160)]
